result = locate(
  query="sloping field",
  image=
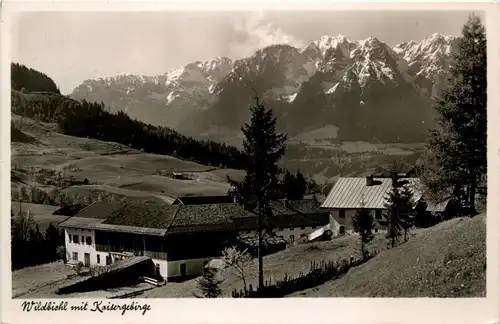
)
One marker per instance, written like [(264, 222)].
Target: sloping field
[(329, 132), (291, 261), (30, 279), (110, 167), (448, 260), (42, 214)]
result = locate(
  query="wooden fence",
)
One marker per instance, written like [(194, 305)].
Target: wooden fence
[(318, 274)]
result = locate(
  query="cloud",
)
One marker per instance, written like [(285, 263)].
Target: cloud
[(253, 33)]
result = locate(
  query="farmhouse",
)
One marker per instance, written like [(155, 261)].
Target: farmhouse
[(178, 176), (180, 239), (348, 195)]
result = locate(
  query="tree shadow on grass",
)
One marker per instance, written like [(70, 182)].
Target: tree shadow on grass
[(18, 136)]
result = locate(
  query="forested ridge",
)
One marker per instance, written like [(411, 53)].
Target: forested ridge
[(93, 120), (30, 80), (35, 95)]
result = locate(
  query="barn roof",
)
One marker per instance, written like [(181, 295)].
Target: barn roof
[(157, 218), (351, 192)]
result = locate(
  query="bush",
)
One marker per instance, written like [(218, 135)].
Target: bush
[(78, 268), (209, 284), (318, 274), (97, 270), (61, 253)]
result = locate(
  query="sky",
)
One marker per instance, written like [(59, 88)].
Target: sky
[(71, 47)]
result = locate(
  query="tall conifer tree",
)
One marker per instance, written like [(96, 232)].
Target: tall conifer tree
[(455, 159), (263, 148)]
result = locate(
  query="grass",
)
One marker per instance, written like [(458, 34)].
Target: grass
[(30, 279), (448, 260), (42, 281), (42, 214), (112, 168), (291, 261)]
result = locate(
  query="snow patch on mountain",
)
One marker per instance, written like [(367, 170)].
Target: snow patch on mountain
[(334, 63), (331, 89), (290, 98)]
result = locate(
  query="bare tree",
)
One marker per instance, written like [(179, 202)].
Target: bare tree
[(236, 260)]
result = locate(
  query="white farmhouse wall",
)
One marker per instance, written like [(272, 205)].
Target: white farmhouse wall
[(337, 222), (194, 267), (163, 267), (81, 247), (297, 232)]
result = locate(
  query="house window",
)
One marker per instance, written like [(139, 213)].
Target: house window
[(70, 239), (292, 238), (89, 240), (98, 259), (378, 214), (108, 260), (75, 239), (341, 213), (83, 239), (75, 256)]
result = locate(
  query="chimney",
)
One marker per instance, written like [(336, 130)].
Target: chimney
[(369, 180)]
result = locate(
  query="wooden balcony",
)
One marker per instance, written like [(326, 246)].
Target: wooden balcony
[(152, 254)]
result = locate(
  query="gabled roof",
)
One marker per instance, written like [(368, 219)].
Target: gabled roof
[(351, 192), (99, 210), (158, 218), (69, 210)]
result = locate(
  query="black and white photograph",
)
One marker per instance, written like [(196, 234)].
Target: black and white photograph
[(248, 154)]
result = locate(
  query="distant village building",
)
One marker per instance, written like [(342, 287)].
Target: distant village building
[(178, 176), (182, 238), (78, 181), (349, 195)]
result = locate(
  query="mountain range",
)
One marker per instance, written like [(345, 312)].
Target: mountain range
[(366, 90)]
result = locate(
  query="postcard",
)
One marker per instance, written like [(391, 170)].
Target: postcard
[(249, 162)]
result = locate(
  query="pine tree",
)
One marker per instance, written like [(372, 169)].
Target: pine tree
[(455, 158), (392, 220), (208, 284), (52, 241), (288, 186), (407, 215), (399, 215), (392, 216), (263, 149), (363, 223), (301, 184)]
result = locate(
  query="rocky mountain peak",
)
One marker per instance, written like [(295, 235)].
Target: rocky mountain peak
[(325, 79)]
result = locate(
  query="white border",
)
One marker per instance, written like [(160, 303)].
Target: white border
[(311, 310)]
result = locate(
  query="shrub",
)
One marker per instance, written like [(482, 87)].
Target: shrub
[(61, 253), (209, 284), (78, 268)]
